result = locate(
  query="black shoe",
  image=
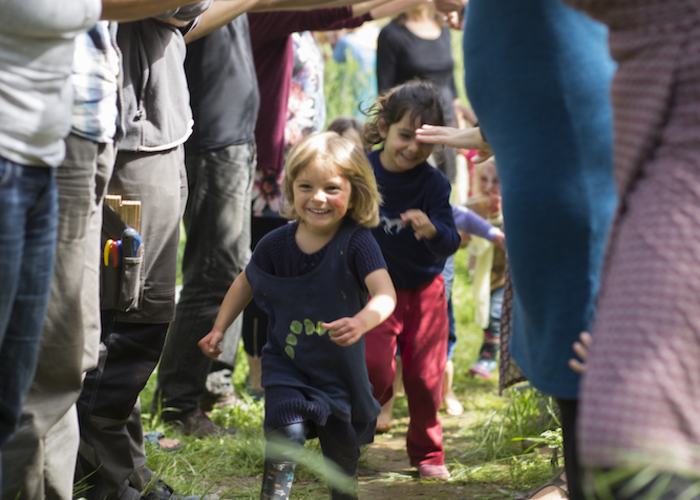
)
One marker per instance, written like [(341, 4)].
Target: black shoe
[(163, 491)]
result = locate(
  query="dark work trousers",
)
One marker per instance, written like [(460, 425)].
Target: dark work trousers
[(129, 356), (217, 222)]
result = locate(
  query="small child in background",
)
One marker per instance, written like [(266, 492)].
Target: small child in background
[(312, 279), (489, 268), (351, 128), (416, 234), (468, 224)]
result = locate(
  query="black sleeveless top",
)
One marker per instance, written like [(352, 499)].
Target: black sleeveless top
[(299, 353)]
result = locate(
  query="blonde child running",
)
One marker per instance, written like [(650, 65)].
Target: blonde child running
[(489, 269), (312, 278), (416, 234)]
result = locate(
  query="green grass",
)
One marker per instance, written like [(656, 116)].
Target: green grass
[(484, 447), (494, 449)]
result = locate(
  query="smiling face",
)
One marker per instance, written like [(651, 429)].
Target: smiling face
[(321, 198), (402, 151), (490, 186)]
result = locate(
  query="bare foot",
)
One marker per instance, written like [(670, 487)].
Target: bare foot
[(452, 405), (384, 418)]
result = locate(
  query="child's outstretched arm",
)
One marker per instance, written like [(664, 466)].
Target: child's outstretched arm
[(237, 298), (347, 331), (468, 138)]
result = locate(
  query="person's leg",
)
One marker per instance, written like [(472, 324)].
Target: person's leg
[(129, 356), (281, 451), (58, 379), (217, 222), (568, 409), (380, 350), (424, 353), (28, 228), (339, 445), (488, 353)]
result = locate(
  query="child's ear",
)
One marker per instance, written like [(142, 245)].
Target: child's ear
[(382, 128)]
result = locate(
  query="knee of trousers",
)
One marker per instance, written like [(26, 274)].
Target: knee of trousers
[(284, 443)]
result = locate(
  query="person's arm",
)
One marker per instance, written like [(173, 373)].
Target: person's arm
[(387, 60), (347, 331), (133, 10), (447, 6), (237, 298), (469, 138)]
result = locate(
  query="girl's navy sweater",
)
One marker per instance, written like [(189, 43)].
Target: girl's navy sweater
[(413, 262)]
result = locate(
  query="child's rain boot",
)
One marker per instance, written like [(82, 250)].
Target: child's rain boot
[(277, 480), (488, 357)]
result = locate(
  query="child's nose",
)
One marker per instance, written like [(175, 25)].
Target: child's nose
[(320, 196)]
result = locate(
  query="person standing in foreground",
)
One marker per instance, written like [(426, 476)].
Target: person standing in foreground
[(312, 278), (36, 54), (640, 400), (543, 85)]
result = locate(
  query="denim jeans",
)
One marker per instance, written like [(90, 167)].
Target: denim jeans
[(39, 460), (217, 222), (28, 213)]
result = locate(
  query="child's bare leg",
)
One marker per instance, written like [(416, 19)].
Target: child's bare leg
[(384, 418), (449, 399)]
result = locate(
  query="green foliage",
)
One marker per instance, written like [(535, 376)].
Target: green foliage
[(342, 86)]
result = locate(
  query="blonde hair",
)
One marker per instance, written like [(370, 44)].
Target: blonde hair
[(347, 160)]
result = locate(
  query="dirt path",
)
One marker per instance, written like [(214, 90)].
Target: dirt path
[(386, 474)]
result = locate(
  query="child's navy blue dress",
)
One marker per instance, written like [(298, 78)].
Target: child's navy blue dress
[(299, 353)]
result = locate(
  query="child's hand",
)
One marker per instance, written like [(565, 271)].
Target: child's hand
[(346, 331), (210, 343), (464, 239), (420, 223), (500, 241), (581, 349)]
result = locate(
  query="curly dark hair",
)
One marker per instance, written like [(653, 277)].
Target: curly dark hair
[(418, 97)]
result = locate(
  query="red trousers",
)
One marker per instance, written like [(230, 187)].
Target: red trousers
[(419, 325)]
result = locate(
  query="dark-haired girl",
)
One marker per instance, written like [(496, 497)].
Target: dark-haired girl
[(416, 233)]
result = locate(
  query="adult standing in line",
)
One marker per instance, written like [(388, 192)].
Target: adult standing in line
[(150, 168), (36, 52), (220, 160), (39, 461), (640, 400), (541, 92), (416, 44)]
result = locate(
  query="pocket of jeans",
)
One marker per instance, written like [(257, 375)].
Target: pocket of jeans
[(132, 282), (5, 171)]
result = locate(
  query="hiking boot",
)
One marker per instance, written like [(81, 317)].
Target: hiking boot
[(199, 424)]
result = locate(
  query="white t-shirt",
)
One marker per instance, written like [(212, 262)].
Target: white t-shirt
[(36, 56)]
